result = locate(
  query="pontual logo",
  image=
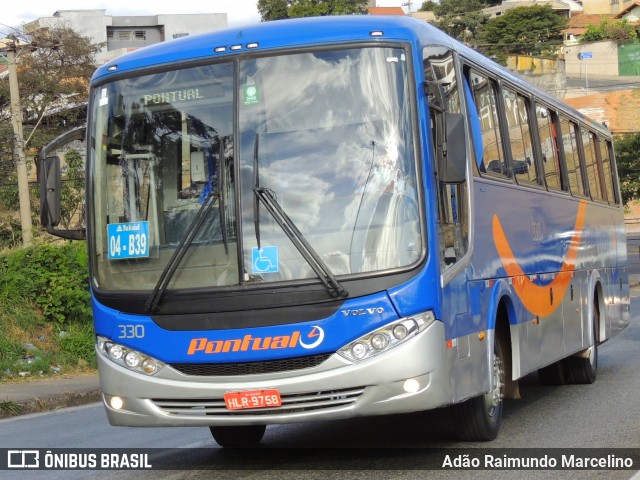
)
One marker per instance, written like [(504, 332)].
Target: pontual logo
[(251, 343)]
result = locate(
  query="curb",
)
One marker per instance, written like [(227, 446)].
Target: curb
[(48, 403)]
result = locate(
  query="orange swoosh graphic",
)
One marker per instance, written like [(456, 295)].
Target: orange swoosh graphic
[(536, 298)]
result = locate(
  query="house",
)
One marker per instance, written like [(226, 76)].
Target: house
[(124, 33), (565, 8), (385, 11), (577, 26), (607, 7), (630, 14)]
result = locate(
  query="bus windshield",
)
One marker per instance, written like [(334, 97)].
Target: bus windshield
[(176, 159)]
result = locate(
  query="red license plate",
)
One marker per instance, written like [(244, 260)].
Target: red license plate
[(252, 399)]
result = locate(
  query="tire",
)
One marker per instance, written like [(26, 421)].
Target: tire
[(583, 367), (553, 374), (242, 436), (479, 419)]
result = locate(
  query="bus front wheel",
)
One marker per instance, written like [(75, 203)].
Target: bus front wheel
[(478, 419), (238, 436)]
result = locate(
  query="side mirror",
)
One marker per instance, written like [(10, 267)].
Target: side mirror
[(50, 192), (452, 153), (50, 199)]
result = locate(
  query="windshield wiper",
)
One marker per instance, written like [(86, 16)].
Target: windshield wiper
[(267, 196), (153, 302)]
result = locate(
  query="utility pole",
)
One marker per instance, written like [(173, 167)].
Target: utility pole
[(21, 161), (408, 4)]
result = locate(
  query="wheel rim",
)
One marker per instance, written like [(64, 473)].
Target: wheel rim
[(493, 398), (591, 355)]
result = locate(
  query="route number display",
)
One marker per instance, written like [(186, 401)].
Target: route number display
[(128, 240)]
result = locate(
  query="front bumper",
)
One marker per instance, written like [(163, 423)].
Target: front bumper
[(333, 390)]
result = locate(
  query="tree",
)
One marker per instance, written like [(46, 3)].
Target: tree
[(448, 8), (273, 9), (463, 27), (620, 32), (461, 19), (280, 9), (53, 78), (429, 6), (72, 192), (627, 148), (531, 30), (54, 67)]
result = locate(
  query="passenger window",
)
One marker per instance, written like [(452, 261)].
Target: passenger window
[(591, 165), (484, 97), (524, 166), (572, 156), (549, 148), (607, 171)]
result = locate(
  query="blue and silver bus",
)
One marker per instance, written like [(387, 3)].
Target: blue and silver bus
[(334, 217)]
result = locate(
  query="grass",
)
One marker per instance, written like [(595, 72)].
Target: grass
[(45, 317), (9, 407), (32, 347)]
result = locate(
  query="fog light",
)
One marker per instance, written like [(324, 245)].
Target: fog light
[(359, 350), (116, 403), (411, 385)]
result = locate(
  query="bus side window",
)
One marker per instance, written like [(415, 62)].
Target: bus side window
[(484, 97), (591, 165), (549, 148), (607, 171), (453, 212), (569, 142), (516, 112)]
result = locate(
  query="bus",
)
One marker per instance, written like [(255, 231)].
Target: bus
[(335, 217)]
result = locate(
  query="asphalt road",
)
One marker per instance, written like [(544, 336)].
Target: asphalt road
[(604, 415)]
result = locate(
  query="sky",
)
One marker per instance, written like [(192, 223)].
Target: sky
[(14, 13)]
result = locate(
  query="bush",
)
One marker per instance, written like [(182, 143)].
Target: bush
[(46, 326), (77, 346), (10, 232), (54, 278)]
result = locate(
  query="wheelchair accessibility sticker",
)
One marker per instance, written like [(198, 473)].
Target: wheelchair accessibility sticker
[(264, 260)]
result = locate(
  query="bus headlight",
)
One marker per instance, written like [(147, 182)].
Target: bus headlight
[(128, 357), (385, 338)]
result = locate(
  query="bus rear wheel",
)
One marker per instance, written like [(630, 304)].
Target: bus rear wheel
[(238, 436), (479, 419), (582, 368), (553, 374)]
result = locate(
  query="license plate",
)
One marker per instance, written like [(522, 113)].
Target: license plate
[(252, 399)]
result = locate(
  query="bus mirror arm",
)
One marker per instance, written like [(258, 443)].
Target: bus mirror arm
[(435, 95), (50, 200)]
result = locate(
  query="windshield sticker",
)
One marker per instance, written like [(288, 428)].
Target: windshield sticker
[(264, 260), (104, 99), (251, 95), (128, 240)]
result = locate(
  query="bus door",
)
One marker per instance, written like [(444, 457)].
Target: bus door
[(453, 226)]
